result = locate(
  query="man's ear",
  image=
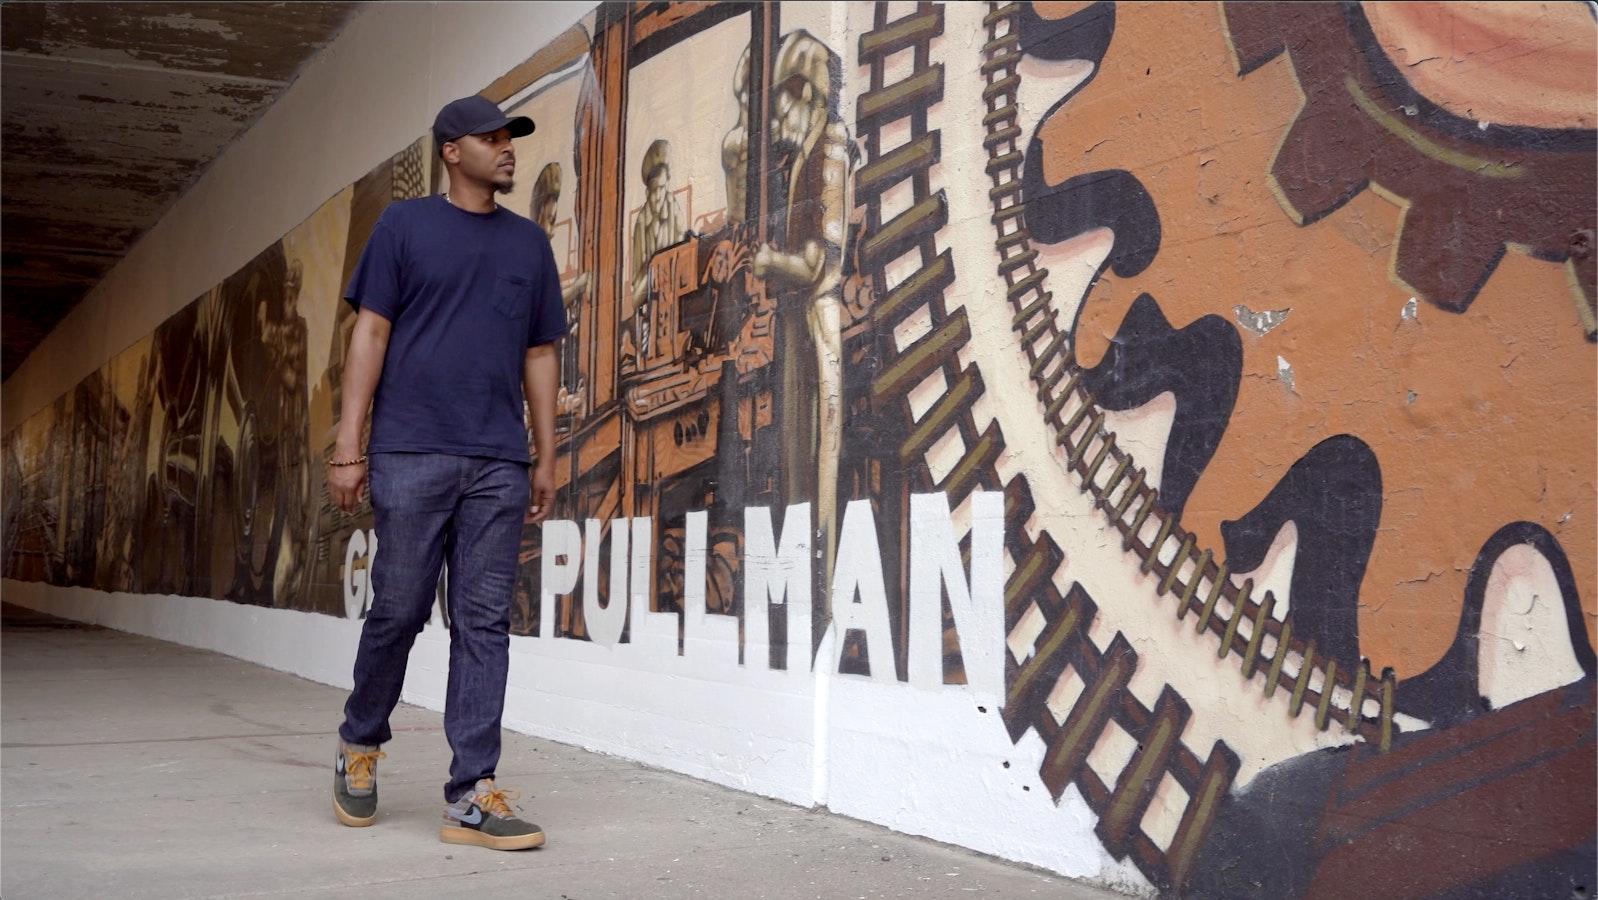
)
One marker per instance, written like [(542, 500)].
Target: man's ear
[(450, 152)]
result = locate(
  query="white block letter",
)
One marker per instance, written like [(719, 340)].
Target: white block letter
[(440, 616), (355, 580), (562, 563), (605, 623), (707, 637), (859, 569), (777, 574), (977, 605), (653, 632)]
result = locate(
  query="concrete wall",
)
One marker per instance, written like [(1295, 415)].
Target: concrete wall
[(1152, 442)]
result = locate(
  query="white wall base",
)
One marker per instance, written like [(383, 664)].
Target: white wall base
[(922, 762)]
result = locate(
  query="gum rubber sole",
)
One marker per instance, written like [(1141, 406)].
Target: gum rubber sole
[(455, 834), (352, 821)]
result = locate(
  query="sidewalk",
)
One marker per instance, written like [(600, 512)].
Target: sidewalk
[(136, 768)]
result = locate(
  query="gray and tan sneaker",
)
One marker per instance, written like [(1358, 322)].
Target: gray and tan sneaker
[(355, 784), (483, 818)]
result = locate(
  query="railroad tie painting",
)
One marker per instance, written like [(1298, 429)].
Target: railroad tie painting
[(1207, 389), (1316, 265)]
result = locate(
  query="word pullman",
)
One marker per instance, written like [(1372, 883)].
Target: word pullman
[(778, 574)]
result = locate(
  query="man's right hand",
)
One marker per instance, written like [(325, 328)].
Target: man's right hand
[(344, 485), (363, 366)]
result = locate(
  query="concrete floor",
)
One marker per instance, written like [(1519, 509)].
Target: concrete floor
[(131, 768)]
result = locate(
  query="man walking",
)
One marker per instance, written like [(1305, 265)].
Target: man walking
[(459, 317)]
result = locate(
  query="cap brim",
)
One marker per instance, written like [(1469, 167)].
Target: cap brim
[(519, 126)]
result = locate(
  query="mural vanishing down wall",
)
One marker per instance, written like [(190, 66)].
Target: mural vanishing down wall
[(1242, 353)]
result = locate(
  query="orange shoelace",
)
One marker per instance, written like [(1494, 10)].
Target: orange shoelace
[(495, 801), (361, 768)]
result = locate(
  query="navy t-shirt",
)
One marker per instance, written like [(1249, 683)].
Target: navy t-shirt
[(467, 294)]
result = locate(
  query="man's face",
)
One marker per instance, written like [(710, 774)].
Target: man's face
[(485, 158)]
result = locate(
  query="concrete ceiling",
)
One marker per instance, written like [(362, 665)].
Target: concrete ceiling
[(108, 113)]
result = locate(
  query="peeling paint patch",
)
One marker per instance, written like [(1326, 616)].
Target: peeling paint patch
[(138, 97), (1411, 311), (1260, 322), (1284, 372), (187, 22)]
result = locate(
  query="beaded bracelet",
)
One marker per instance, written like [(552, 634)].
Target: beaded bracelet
[(347, 462)]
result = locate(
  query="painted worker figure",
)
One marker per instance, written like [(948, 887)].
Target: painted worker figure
[(284, 335), (658, 226), (546, 201), (735, 146), (811, 146), (459, 323)]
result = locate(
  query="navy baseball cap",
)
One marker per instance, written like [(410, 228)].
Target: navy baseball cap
[(475, 115)]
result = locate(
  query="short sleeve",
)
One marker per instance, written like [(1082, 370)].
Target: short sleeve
[(549, 314), (375, 284)]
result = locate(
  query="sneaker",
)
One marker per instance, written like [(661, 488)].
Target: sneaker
[(484, 818), (355, 784)]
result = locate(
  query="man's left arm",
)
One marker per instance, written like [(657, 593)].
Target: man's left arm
[(541, 383)]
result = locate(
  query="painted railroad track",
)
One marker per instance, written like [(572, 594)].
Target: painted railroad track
[(1241, 625)]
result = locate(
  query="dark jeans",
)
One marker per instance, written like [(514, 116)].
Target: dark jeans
[(431, 508)]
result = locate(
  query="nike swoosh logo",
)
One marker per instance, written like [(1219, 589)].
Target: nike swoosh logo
[(340, 770), (472, 817)]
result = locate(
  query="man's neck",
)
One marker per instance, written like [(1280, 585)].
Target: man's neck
[(471, 198)]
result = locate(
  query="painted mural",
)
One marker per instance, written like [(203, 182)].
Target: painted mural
[(1239, 359)]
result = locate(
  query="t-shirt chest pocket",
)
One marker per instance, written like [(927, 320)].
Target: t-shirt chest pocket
[(513, 296)]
